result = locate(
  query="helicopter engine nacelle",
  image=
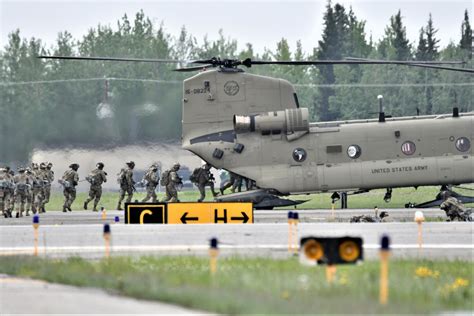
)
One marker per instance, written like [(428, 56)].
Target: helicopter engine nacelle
[(287, 121)]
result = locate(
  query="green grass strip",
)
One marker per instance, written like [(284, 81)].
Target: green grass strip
[(263, 286)]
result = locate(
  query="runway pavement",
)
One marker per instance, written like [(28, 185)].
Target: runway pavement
[(43, 298), (261, 216), (80, 233)]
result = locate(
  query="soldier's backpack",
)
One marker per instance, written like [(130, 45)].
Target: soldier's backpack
[(165, 178), (93, 178), (122, 178), (3, 181), (194, 177)]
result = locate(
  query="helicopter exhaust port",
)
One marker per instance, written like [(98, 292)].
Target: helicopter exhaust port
[(287, 121)]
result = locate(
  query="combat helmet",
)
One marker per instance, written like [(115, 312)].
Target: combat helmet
[(34, 166), (21, 169), (49, 166), (176, 166), (43, 165), (131, 164), (100, 165), (74, 166)]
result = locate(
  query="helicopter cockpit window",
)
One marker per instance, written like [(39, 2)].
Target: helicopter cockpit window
[(463, 144), (408, 148), (354, 151)]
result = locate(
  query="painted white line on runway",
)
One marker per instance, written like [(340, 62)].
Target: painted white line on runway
[(4, 251)]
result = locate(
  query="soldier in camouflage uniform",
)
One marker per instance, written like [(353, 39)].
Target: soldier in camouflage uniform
[(29, 193), (152, 180), (69, 182), (36, 189), (127, 185), (22, 191), (11, 191), (47, 187), (96, 178), (171, 180), (205, 178), (454, 209), (43, 179), (5, 186), (230, 183)]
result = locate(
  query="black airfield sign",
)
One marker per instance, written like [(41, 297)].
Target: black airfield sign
[(145, 213)]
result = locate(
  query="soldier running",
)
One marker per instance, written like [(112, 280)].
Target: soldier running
[(127, 185), (5, 186), (50, 178), (204, 178), (151, 181), (171, 180), (96, 178), (235, 181), (69, 181), (22, 191)]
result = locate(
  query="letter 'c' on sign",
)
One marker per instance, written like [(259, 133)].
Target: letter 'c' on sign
[(143, 213)]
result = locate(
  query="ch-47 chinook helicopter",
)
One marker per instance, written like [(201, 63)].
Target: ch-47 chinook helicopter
[(254, 126)]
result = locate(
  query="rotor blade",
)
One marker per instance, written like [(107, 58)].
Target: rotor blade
[(197, 68), (428, 62), (468, 70), (356, 62), (341, 62), (144, 60)]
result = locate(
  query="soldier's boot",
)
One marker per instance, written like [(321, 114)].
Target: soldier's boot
[(85, 205), (17, 214), (215, 193), (222, 191), (64, 208), (95, 206), (119, 206)]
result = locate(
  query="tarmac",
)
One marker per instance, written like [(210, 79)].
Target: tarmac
[(50, 298), (80, 234)]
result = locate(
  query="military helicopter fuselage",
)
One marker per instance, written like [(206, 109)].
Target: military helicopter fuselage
[(254, 126)]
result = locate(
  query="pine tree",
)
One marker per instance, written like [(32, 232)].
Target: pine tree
[(466, 36), (431, 42), (422, 46)]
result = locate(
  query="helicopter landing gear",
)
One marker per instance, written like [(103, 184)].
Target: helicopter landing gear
[(336, 196), (388, 195)]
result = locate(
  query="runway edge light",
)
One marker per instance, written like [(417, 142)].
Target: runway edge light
[(290, 231), (296, 220), (419, 219), (213, 253), (107, 233), (35, 227), (384, 256)]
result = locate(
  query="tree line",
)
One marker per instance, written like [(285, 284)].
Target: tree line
[(58, 103)]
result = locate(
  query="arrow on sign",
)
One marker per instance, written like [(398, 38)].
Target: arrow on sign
[(184, 218), (244, 218)]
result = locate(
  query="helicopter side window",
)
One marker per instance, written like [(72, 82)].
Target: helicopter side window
[(354, 151), (408, 148), (463, 144)]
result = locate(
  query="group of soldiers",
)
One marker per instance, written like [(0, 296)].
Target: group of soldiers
[(27, 190)]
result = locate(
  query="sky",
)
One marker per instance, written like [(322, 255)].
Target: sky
[(262, 23)]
